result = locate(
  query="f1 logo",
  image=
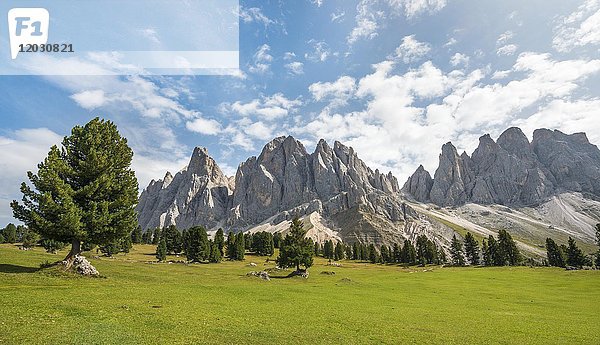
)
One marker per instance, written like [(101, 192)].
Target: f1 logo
[(27, 26)]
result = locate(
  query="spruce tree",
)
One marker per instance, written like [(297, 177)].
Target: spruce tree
[(471, 249), (296, 250), (385, 254), (575, 256), (136, 235), (485, 253), (161, 250), (84, 191), (317, 248), (397, 253), (348, 250), (431, 252), (507, 249), (355, 251), (156, 236), (231, 246), (495, 259), (173, 239), (2, 239), (422, 250), (240, 246), (373, 257), (554, 253), (339, 252), (215, 253), (220, 241), (277, 238), (198, 248), (409, 254), (10, 233), (456, 252)]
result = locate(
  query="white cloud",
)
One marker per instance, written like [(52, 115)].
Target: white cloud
[(507, 50), (501, 74), (90, 99), (150, 34), (319, 3), (411, 49), (204, 126), (261, 60), (504, 38), (320, 51), (295, 68), (371, 15), (338, 92), (579, 29), (254, 14), (452, 41), (458, 59), (338, 16), (269, 108), (259, 130), (288, 56)]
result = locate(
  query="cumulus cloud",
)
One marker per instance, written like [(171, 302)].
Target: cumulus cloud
[(320, 51), (338, 92), (295, 68), (458, 59), (267, 107), (411, 49), (254, 14), (371, 15), (204, 126), (507, 50), (261, 61), (579, 29)]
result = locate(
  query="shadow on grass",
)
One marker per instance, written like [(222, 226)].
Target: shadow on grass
[(8, 268)]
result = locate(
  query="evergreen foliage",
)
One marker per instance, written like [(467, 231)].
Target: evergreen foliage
[(456, 252), (197, 246), (339, 252), (575, 256), (555, 255), (296, 250), (220, 241), (471, 249), (84, 191), (161, 250)]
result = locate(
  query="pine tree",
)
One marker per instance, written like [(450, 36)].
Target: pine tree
[(456, 252), (125, 244), (485, 253), (156, 236), (198, 248), (161, 250), (248, 238), (554, 253), (10, 233), (575, 256), (29, 238), (355, 251), (422, 250), (329, 250), (409, 254), (348, 250), (373, 257), (431, 252), (147, 237), (296, 250), (84, 192), (220, 241), (173, 239), (215, 253), (136, 235), (240, 246), (397, 253), (277, 238), (339, 252), (471, 249), (385, 254), (317, 248), (507, 249), (493, 256), (231, 246), (2, 239)]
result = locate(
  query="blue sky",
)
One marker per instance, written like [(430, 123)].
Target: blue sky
[(395, 79)]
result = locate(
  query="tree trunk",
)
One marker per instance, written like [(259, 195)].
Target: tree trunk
[(75, 250)]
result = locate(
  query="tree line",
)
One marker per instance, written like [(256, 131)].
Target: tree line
[(570, 254)]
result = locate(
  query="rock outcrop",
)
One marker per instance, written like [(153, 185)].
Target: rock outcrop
[(198, 192), (513, 171), (419, 184), (328, 188)]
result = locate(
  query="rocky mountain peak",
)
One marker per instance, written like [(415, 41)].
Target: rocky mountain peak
[(419, 184)]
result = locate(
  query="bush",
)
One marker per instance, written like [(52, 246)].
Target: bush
[(53, 246)]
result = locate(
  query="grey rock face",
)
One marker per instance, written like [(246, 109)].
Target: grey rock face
[(419, 184), (199, 194), (282, 182), (451, 178), (513, 171), (285, 179)]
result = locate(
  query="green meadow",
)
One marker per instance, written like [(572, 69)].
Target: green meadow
[(138, 301)]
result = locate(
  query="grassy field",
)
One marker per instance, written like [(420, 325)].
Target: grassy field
[(142, 303)]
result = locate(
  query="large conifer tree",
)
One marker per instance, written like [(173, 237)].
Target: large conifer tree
[(84, 191), (296, 250)]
